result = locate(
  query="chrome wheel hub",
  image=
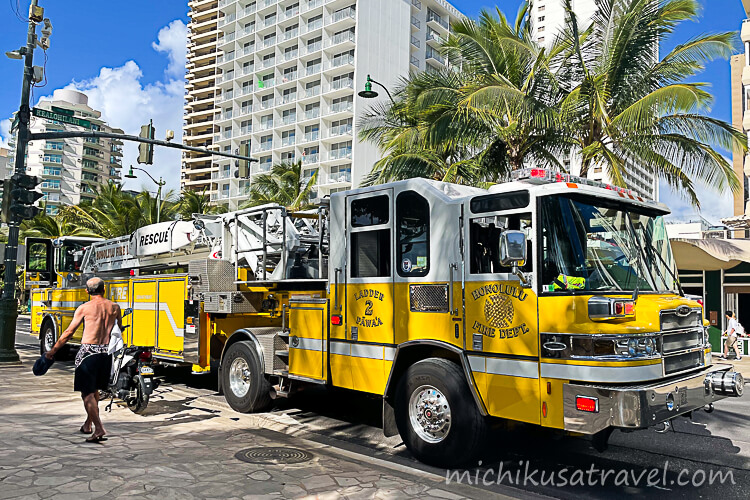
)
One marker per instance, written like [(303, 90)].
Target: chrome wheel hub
[(239, 377), (429, 414), (49, 339)]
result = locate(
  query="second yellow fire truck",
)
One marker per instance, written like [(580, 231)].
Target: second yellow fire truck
[(548, 300)]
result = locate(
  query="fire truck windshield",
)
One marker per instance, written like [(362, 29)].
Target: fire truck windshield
[(594, 245)]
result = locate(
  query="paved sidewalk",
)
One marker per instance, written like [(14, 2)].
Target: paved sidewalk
[(178, 450)]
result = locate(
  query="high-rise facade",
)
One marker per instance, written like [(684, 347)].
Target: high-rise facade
[(200, 92), (71, 169), (548, 19), (285, 81), (740, 92)]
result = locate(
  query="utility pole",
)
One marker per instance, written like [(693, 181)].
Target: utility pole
[(8, 304)]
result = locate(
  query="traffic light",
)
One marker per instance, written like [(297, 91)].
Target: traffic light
[(244, 165), (19, 197), (146, 151)]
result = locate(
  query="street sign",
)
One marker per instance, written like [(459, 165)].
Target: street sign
[(60, 117), (62, 111)]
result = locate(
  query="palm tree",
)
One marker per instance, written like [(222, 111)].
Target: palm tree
[(47, 226), (283, 185), (625, 107), (492, 112), (193, 202), (153, 209)]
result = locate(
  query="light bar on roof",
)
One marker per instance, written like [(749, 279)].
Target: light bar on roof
[(544, 175)]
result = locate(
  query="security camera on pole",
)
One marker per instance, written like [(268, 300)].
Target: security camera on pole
[(20, 181)]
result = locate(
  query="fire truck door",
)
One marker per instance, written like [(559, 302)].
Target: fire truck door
[(502, 338), (170, 331), (368, 300), (144, 313)]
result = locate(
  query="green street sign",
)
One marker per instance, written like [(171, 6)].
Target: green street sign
[(60, 117), (62, 111)]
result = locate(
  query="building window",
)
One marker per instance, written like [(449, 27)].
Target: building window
[(57, 146), (541, 8), (540, 29), (541, 38), (413, 234), (52, 158)]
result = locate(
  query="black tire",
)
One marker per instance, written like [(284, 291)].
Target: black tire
[(251, 391), (460, 441), (47, 339), (139, 403)]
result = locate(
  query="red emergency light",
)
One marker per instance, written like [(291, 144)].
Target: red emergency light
[(336, 319)]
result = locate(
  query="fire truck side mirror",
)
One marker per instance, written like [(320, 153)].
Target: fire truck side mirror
[(512, 248)]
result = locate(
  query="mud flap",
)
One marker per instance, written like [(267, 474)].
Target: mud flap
[(389, 419)]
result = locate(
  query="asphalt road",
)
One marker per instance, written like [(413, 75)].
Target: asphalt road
[(680, 463)]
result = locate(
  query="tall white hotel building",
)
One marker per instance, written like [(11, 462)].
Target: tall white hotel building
[(283, 76), (548, 19)]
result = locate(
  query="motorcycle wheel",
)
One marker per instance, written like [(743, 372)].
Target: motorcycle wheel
[(139, 403)]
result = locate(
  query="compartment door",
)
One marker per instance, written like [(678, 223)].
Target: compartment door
[(144, 314), (171, 319), (307, 339)]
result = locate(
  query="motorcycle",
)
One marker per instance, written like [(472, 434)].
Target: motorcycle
[(132, 378)]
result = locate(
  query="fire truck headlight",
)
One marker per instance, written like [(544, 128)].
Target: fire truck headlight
[(649, 346), (633, 347)]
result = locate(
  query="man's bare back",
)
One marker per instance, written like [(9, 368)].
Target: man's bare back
[(98, 316)]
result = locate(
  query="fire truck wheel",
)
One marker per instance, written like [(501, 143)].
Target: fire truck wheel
[(246, 388), (436, 416), (47, 341)]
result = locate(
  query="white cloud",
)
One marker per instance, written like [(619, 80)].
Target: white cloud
[(126, 103), (714, 205), (172, 41), (4, 132)]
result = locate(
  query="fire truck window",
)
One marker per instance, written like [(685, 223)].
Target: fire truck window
[(371, 254), (72, 254), (37, 257), (484, 239), (370, 211), (413, 233), (498, 202)]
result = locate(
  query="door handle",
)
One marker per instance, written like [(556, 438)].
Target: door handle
[(336, 289), (453, 266)]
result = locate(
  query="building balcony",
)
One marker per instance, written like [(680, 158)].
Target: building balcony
[(746, 76), (311, 158), (745, 32), (746, 120), (437, 22), (342, 18), (344, 40), (306, 6)]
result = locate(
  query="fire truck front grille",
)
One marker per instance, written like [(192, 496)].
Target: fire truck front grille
[(680, 341), (428, 298), (680, 318), (682, 362)]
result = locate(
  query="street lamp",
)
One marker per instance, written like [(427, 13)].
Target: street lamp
[(368, 93), (160, 183)]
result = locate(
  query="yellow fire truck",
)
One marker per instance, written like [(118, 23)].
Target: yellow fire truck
[(548, 300)]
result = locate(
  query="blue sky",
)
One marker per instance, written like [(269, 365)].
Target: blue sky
[(128, 57)]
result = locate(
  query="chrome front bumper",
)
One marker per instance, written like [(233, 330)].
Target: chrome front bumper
[(638, 407)]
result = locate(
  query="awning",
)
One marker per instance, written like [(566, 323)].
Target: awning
[(741, 221), (710, 254)]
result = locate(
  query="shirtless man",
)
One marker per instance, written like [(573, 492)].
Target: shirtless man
[(93, 364)]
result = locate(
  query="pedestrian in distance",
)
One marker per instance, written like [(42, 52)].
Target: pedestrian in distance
[(734, 330), (93, 363)]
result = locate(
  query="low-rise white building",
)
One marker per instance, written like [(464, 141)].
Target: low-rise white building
[(71, 169)]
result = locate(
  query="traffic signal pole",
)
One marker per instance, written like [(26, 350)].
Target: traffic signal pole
[(8, 304)]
